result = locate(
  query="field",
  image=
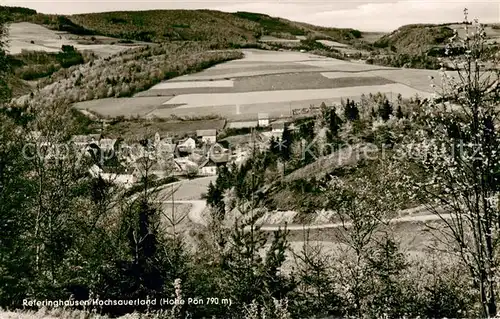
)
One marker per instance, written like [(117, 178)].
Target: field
[(265, 81), (334, 44), (33, 37), (136, 130)]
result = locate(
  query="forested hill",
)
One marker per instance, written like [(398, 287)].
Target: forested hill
[(187, 25), (415, 38)]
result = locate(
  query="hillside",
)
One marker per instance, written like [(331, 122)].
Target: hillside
[(127, 73), (174, 25), (196, 25), (415, 39)]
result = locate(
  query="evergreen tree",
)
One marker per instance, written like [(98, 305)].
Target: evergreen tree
[(385, 110), (306, 130), (285, 144), (334, 122), (5, 67), (386, 265), (251, 276), (351, 111), (399, 112), (15, 200), (274, 147), (215, 199)]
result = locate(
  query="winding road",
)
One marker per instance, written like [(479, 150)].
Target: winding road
[(190, 192), (418, 214)]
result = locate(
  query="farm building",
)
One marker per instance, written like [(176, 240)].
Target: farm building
[(207, 136)]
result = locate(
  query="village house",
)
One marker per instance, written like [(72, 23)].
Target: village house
[(187, 145), (165, 150), (243, 124), (188, 167), (263, 119), (197, 158), (278, 127), (107, 144), (82, 141), (207, 136), (219, 154), (125, 180), (176, 169), (208, 168), (159, 170), (130, 153)]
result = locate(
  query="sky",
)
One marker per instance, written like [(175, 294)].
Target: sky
[(375, 15)]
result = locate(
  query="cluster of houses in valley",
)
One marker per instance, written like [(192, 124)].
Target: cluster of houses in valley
[(162, 157), (157, 158)]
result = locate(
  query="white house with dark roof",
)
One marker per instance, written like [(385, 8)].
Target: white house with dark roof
[(207, 136)]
